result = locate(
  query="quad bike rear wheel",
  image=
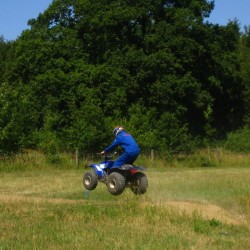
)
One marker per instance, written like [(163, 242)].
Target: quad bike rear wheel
[(139, 183), (90, 180), (116, 183)]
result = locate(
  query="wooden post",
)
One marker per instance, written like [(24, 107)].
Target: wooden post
[(152, 155), (77, 158)]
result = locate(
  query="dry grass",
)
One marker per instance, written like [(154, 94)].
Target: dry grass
[(183, 209), (200, 201)]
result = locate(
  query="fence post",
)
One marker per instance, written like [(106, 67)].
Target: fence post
[(77, 158), (152, 155)]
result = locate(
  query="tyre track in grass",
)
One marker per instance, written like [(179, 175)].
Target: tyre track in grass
[(206, 211)]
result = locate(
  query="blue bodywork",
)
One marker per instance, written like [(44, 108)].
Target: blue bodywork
[(101, 168)]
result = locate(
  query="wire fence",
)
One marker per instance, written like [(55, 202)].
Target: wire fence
[(74, 158), (80, 156)]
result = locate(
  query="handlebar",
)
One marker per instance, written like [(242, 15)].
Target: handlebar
[(108, 157)]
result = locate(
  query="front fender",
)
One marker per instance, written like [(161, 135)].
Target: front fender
[(99, 169)]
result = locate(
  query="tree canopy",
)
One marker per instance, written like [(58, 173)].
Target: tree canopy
[(158, 67)]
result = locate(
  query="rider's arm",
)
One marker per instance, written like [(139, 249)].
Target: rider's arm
[(115, 144)]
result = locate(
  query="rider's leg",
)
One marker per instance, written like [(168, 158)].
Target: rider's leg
[(125, 158)]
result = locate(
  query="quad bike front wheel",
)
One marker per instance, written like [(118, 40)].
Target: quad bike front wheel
[(90, 180), (116, 183), (139, 183)]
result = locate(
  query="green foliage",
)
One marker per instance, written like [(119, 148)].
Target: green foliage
[(88, 130), (245, 69), (3, 55), (17, 118), (157, 68), (239, 141)]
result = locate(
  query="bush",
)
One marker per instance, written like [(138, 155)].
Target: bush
[(239, 141)]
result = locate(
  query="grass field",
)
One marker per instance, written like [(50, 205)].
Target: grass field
[(184, 208)]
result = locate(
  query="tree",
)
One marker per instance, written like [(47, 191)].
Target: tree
[(245, 69), (17, 118), (155, 66), (2, 57), (5, 54)]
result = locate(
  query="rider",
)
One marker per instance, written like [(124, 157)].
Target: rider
[(128, 144)]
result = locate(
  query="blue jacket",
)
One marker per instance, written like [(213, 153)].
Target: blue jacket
[(126, 141)]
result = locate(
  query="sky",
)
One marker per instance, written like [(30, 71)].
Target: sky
[(226, 10), (14, 14)]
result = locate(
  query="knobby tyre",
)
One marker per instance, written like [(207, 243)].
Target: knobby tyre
[(90, 180), (116, 183), (139, 184)]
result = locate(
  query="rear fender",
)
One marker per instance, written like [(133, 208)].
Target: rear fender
[(131, 168)]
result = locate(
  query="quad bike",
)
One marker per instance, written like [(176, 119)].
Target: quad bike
[(116, 178)]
